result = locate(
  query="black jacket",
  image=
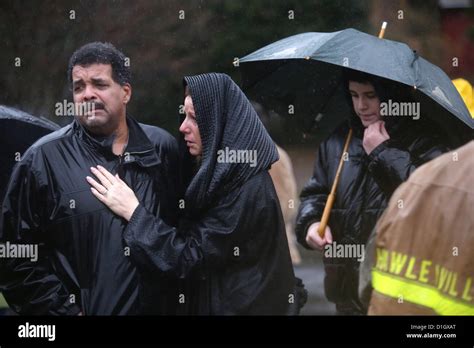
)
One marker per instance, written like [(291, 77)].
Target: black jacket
[(365, 186), (83, 262), (230, 250)]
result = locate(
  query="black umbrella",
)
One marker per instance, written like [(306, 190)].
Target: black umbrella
[(18, 131), (303, 73)]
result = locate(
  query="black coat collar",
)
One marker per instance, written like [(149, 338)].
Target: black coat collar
[(139, 149)]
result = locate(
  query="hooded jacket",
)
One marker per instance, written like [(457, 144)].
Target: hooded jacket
[(424, 261), (83, 263), (230, 249), (365, 186)]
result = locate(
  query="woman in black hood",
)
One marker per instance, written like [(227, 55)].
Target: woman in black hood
[(230, 248)]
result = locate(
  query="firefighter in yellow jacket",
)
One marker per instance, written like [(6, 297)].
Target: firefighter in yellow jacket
[(424, 258)]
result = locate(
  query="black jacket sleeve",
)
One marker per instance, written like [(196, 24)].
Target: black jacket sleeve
[(173, 183), (390, 166), (313, 197), (30, 286), (209, 240)]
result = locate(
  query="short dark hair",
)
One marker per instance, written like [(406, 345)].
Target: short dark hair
[(384, 88), (101, 53), (364, 78)]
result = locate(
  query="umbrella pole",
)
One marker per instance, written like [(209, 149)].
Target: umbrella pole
[(382, 30), (332, 194)]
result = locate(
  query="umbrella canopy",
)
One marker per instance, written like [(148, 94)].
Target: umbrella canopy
[(305, 71), (18, 131)]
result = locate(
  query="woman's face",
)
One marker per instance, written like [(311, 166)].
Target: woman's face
[(365, 101), (190, 128)]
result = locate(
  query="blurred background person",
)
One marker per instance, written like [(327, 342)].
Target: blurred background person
[(285, 185)]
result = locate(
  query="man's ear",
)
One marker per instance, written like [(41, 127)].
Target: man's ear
[(127, 93)]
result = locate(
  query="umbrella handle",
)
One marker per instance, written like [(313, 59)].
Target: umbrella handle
[(382, 30), (332, 194), (326, 213)]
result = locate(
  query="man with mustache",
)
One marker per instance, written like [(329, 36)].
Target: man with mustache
[(84, 267)]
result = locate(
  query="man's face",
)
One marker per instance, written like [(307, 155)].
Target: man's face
[(94, 84), (190, 129), (366, 102)]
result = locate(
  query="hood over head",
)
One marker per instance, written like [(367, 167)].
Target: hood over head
[(235, 144)]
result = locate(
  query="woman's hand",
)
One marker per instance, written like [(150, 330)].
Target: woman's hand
[(113, 192)]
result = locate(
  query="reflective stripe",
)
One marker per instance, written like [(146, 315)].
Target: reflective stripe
[(424, 295)]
